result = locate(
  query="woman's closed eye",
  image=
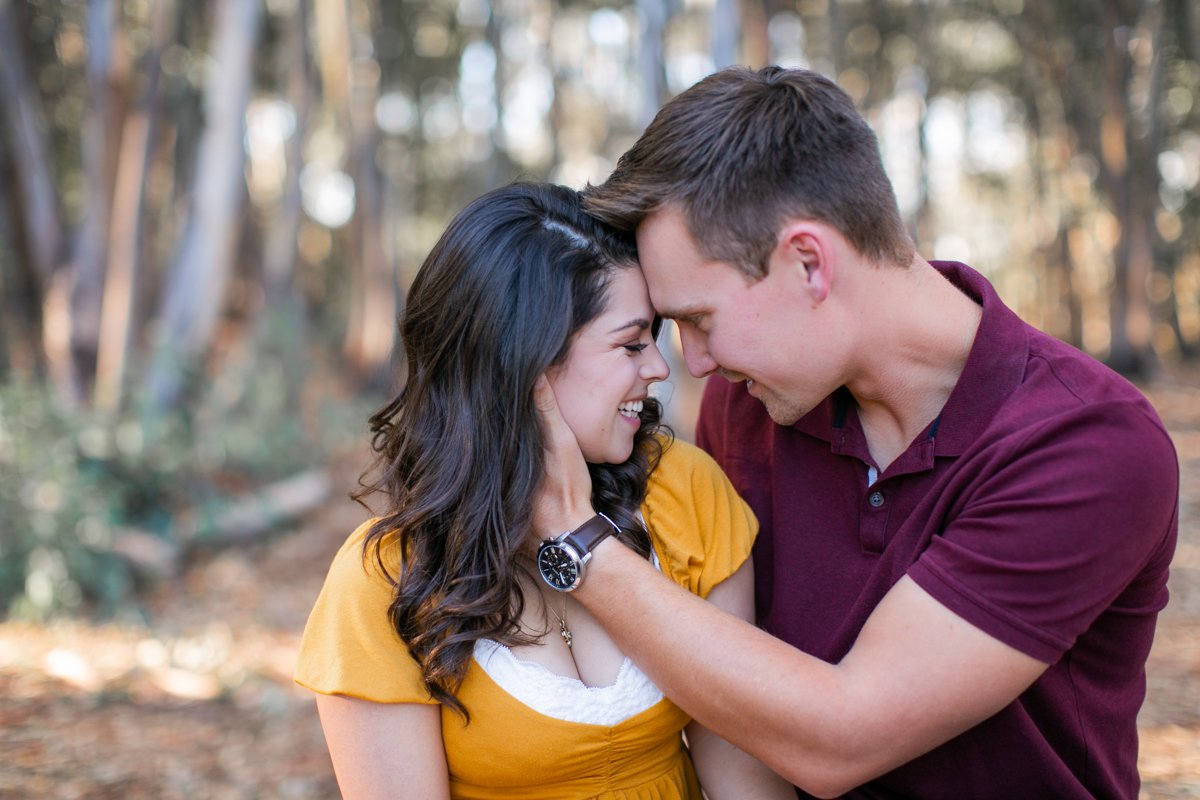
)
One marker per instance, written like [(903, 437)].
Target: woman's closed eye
[(634, 349)]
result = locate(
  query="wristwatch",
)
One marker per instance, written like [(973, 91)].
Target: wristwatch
[(561, 560)]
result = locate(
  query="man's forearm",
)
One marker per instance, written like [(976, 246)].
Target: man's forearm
[(710, 663), (904, 690)]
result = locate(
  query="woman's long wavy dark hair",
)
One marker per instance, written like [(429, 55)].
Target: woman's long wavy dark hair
[(460, 449)]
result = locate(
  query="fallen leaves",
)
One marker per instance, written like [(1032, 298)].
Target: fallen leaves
[(198, 703)]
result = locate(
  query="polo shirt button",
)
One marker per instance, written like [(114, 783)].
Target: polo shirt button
[(876, 499)]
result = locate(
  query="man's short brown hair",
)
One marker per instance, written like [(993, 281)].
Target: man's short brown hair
[(741, 152)]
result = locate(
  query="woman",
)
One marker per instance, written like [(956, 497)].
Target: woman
[(444, 666)]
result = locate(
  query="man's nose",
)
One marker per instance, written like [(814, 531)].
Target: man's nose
[(695, 352)]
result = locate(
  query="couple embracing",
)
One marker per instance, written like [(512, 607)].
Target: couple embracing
[(918, 553)]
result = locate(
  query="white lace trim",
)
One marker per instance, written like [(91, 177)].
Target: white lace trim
[(569, 699)]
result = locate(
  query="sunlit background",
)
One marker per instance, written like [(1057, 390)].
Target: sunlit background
[(211, 211)]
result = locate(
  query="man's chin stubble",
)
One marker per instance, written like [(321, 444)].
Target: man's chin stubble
[(781, 411)]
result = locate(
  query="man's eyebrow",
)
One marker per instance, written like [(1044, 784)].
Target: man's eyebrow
[(633, 323), (679, 313)]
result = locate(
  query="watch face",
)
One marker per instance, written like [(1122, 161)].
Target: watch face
[(558, 567)]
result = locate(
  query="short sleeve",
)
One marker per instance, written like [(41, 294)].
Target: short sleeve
[(1076, 518), (702, 530), (349, 645)]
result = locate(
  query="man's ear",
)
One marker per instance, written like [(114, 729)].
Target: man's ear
[(805, 247)]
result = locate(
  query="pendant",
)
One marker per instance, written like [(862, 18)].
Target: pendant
[(563, 632)]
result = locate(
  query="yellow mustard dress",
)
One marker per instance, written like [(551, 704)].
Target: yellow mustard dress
[(701, 531)]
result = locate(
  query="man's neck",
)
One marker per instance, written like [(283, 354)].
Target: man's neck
[(918, 343)]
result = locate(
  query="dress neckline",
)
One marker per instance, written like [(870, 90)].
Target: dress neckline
[(565, 698), (526, 664)]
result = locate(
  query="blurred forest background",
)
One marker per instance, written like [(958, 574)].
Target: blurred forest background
[(210, 212)]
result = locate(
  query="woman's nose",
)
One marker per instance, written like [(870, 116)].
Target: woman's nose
[(655, 367)]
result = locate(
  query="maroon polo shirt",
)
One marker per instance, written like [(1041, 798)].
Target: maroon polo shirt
[(1040, 506)]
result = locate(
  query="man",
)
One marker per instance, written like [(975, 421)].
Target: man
[(966, 524)]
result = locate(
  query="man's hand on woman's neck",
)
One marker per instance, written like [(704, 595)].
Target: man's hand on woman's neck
[(565, 500)]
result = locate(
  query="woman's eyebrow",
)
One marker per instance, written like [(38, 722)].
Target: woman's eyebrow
[(633, 323)]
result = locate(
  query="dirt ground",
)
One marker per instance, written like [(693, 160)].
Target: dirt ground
[(194, 698)]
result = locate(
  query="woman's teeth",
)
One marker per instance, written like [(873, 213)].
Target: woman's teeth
[(630, 409)]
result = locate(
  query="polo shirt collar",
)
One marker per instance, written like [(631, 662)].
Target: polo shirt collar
[(994, 369)]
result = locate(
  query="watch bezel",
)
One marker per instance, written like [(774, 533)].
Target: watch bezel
[(580, 561)]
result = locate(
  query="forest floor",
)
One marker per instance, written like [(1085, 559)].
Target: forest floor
[(194, 698)]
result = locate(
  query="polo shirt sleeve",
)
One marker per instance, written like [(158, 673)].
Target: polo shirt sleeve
[(349, 645), (1053, 528)]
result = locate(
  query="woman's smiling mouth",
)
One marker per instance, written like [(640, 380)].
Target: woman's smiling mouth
[(631, 409)]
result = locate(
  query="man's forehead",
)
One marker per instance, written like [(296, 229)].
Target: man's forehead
[(682, 282), (666, 224), (682, 293), (667, 249)]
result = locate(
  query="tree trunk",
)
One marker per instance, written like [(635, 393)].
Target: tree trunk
[(1129, 306), (1184, 12), (125, 239), (38, 208), (837, 37), (370, 346), (1072, 292), (725, 34), (101, 140), (197, 284), (279, 256), (351, 84), (651, 63), (35, 178), (1099, 117), (280, 330), (20, 304)]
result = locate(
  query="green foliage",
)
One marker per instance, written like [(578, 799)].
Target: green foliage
[(56, 509), (72, 483)]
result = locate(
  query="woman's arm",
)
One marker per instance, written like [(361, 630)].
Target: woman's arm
[(723, 770), (385, 751)]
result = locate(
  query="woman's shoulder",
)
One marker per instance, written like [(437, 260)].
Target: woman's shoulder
[(349, 645), (688, 477), (355, 558), (683, 462), (702, 529)]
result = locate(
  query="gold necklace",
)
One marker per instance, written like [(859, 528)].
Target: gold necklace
[(563, 631)]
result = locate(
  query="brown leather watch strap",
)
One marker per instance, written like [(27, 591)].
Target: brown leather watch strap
[(591, 533)]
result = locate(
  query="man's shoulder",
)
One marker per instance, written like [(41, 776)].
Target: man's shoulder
[(1066, 386), (1073, 428), (1078, 373)]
